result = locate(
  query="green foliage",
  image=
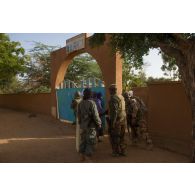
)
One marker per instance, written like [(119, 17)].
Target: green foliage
[(161, 79), (136, 45), (133, 76), (139, 80), (14, 86), (170, 68), (83, 67), (97, 39), (38, 68), (12, 61)]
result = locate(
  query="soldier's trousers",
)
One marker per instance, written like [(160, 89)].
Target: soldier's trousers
[(134, 127), (87, 141), (117, 138), (134, 132)]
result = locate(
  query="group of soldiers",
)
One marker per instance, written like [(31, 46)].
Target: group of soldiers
[(136, 113), (125, 112)]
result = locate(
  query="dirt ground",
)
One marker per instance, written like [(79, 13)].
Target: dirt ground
[(29, 138)]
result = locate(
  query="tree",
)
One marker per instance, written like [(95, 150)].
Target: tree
[(38, 68), (177, 47), (14, 86), (132, 76), (12, 61), (170, 68), (83, 67), (161, 79)]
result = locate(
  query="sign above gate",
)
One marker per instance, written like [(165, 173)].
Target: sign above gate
[(75, 43)]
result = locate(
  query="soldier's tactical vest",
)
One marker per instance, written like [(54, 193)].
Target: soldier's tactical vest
[(141, 105), (130, 105), (121, 114)]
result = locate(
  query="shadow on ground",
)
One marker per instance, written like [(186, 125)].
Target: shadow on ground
[(42, 139)]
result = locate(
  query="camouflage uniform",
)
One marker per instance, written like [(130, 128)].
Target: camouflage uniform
[(88, 119), (131, 111), (136, 111), (117, 123), (141, 121), (75, 102)]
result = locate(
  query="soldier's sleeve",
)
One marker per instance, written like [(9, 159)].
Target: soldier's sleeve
[(135, 108), (113, 111), (95, 115), (73, 104)]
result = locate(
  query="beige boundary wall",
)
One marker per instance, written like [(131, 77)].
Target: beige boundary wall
[(169, 115), (35, 103)]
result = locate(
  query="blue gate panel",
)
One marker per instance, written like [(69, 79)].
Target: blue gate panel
[(64, 100)]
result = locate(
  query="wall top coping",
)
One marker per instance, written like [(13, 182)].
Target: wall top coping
[(164, 83)]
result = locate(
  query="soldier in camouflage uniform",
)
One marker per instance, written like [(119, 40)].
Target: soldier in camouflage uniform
[(141, 121), (89, 120), (136, 113), (131, 109), (75, 102), (117, 122)]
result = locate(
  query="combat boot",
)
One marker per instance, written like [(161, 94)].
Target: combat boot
[(123, 153), (114, 154), (134, 142), (82, 157)]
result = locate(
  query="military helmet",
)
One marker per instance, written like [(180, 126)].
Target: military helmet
[(77, 94), (130, 93), (94, 94), (126, 94), (87, 93)]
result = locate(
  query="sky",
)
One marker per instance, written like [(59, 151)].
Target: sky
[(153, 60)]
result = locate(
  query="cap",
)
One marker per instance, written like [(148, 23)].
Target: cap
[(87, 93), (77, 94), (130, 93)]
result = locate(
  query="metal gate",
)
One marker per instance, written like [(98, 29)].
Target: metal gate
[(65, 94)]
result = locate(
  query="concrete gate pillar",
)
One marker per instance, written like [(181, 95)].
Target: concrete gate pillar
[(110, 64)]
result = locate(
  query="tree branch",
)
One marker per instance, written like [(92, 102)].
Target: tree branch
[(192, 39), (172, 52), (180, 41), (178, 36)]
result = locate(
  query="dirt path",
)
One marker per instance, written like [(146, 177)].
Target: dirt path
[(42, 139)]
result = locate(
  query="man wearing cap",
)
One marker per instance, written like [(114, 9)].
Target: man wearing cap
[(117, 122), (135, 110), (89, 120)]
